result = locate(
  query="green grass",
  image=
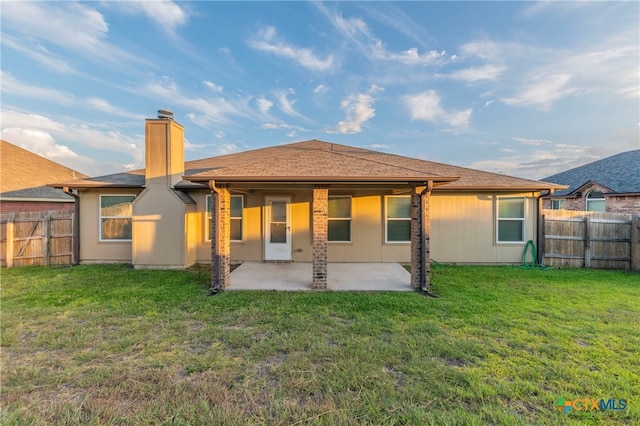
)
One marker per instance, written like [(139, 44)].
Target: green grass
[(113, 345)]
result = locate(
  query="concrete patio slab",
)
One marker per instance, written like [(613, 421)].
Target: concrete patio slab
[(340, 277)]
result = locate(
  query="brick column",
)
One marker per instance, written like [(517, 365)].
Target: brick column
[(320, 235), (420, 239), (416, 238), (220, 237)]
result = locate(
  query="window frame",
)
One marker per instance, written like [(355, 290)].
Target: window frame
[(588, 199), (207, 218), (561, 203), (523, 219), (350, 219), (387, 219), (101, 217)]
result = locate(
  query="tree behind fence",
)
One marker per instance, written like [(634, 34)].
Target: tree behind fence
[(37, 238), (591, 239)]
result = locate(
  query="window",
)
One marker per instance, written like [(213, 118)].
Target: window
[(237, 208), (340, 218), (511, 211), (115, 217), (595, 201), (398, 219), (558, 204)]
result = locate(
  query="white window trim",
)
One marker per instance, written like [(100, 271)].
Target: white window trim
[(562, 203), (386, 219), (589, 200), (100, 217), (523, 220), (350, 240), (207, 219)]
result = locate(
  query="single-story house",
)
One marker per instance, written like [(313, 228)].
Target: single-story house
[(611, 184), (24, 178), (309, 201)]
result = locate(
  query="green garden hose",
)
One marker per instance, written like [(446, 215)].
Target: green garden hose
[(534, 255)]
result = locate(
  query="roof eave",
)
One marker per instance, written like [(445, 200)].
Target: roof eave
[(319, 180)]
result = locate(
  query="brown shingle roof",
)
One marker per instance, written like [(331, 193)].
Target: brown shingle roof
[(318, 161), (24, 174)]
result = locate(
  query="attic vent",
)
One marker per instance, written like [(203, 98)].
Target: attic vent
[(165, 114)]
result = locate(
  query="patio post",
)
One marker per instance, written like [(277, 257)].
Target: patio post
[(220, 236), (320, 235), (420, 238)]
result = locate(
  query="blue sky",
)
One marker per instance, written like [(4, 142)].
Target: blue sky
[(527, 89)]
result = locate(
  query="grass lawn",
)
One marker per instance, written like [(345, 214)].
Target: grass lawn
[(113, 345)]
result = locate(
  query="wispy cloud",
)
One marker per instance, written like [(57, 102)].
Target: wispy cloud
[(36, 51), (104, 106), (45, 130), (287, 105), (321, 88), (359, 109), (358, 34), (203, 111), (211, 85), (264, 104), (267, 41), (472, 74), (168, 14), (25, 90), (426, 106), (543, 91), (76, 26)]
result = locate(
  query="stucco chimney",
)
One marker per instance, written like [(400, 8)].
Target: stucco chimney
[(164, 150)]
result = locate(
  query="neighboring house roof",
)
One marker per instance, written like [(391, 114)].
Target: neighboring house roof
[(318, 161), (620, 173), (25, 175)]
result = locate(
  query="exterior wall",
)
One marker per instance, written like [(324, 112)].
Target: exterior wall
[(463, 228), (92, 250), (160, 230), (613, 203), (33, 206), (623, 204)]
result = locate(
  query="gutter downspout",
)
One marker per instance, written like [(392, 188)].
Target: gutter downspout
[(540, 228), (76, 225)]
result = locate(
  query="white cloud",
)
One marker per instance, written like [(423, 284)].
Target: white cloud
[(292, 134), (211, 85), (104, 106), (167, 14), (264, 105), (287, 105), (485, 72), (542, 92), (321, 88), (71, 25), (426, 106), (534, 142), (359, 109), (37, 52), (98, 136), (25, 90), (38, 142), (204, 111), (266, 41)]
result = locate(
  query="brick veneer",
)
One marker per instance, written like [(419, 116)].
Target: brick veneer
[(33, 206), (220, 237), (320, 235), (612, 203), (420, 236)]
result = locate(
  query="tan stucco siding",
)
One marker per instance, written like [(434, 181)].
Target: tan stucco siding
[(463, 228), (160, 229), (92, 250)]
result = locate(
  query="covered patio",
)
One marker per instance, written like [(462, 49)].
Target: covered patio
[(296, 276)]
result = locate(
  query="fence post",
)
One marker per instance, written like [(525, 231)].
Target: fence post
[(9, 243), (46, 235), (541, 241), (635, 243), (587, 242)]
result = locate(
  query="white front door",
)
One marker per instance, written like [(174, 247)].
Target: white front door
[(277, 234)]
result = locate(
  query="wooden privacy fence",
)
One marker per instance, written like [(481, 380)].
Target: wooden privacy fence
[(37, 238), (590, 239)]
